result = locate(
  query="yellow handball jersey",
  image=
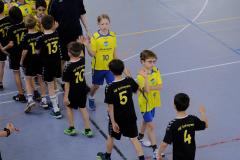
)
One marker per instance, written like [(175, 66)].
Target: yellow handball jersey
[(103, 46), (148, 101), (25, 8), (6, 9)]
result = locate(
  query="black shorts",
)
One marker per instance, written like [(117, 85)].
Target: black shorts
[(3, 57), (14, 61), (0, 156), (77, 100), (51, 71), (128, 129), (33, 69)]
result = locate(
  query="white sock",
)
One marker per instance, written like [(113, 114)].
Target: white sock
[(91, 97), (29, 98), (54, 103), (44, 99)]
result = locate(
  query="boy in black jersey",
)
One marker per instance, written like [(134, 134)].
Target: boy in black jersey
[(15, 36), (4, 24), (118, 96), (181, 131), (31, 64), (75, 88), (49, 49)]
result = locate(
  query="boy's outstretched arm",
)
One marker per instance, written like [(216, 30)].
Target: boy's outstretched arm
[(204, 118), (83, 40)]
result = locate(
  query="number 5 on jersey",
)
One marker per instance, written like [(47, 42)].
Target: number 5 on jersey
[(123, 98)]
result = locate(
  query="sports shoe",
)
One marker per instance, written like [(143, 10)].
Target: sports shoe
[(29, 106), (56, 115), (155, 154), (70, 132), (101, 156), (20, 98), (91, 104), (144, 142), (88, 134), (36, 96), (44, 105), (1, 86)]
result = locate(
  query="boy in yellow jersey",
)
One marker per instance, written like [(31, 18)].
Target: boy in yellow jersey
[(25, 7), (41, 7), (7, 6), (150, 82), (103, 50)]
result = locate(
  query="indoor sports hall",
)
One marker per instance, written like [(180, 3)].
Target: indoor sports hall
[(198, 49)]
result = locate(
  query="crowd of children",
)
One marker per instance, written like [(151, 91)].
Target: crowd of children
[(30, 40)]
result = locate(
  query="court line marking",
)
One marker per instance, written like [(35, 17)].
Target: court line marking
[(179, 72), (223, 43), (177, 26), (175, 34), (171, 37), (164, 41), (167, 74), (201, 68)]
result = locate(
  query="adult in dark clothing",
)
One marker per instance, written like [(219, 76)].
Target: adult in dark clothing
[(68, 13)]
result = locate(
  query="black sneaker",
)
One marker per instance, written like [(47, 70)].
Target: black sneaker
[(20, 98), (101, 156), (36, 96), (1, 86), (56, 115)]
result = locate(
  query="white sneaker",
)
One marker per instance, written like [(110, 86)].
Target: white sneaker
[(145, 142)]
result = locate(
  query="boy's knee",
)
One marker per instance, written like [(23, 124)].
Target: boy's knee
[(150, 126)]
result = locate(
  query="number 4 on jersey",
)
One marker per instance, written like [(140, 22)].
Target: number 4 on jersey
[(187, 137)]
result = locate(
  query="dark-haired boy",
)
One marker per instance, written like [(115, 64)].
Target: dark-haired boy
[(122, 121), (49, 49), (4, 24), (15, 36), (181, 131), (76, 89)]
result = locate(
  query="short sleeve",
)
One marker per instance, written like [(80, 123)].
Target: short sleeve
[(168, 138), (66, 75), (93, 44), (10, 35), (159, 78), (39, 43), (24, 43), (134, 85), (108, 95), (199, 125), (82, 8), (141, 81)]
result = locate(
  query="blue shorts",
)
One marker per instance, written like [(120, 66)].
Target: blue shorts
[(99, 76), (148, 116)]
